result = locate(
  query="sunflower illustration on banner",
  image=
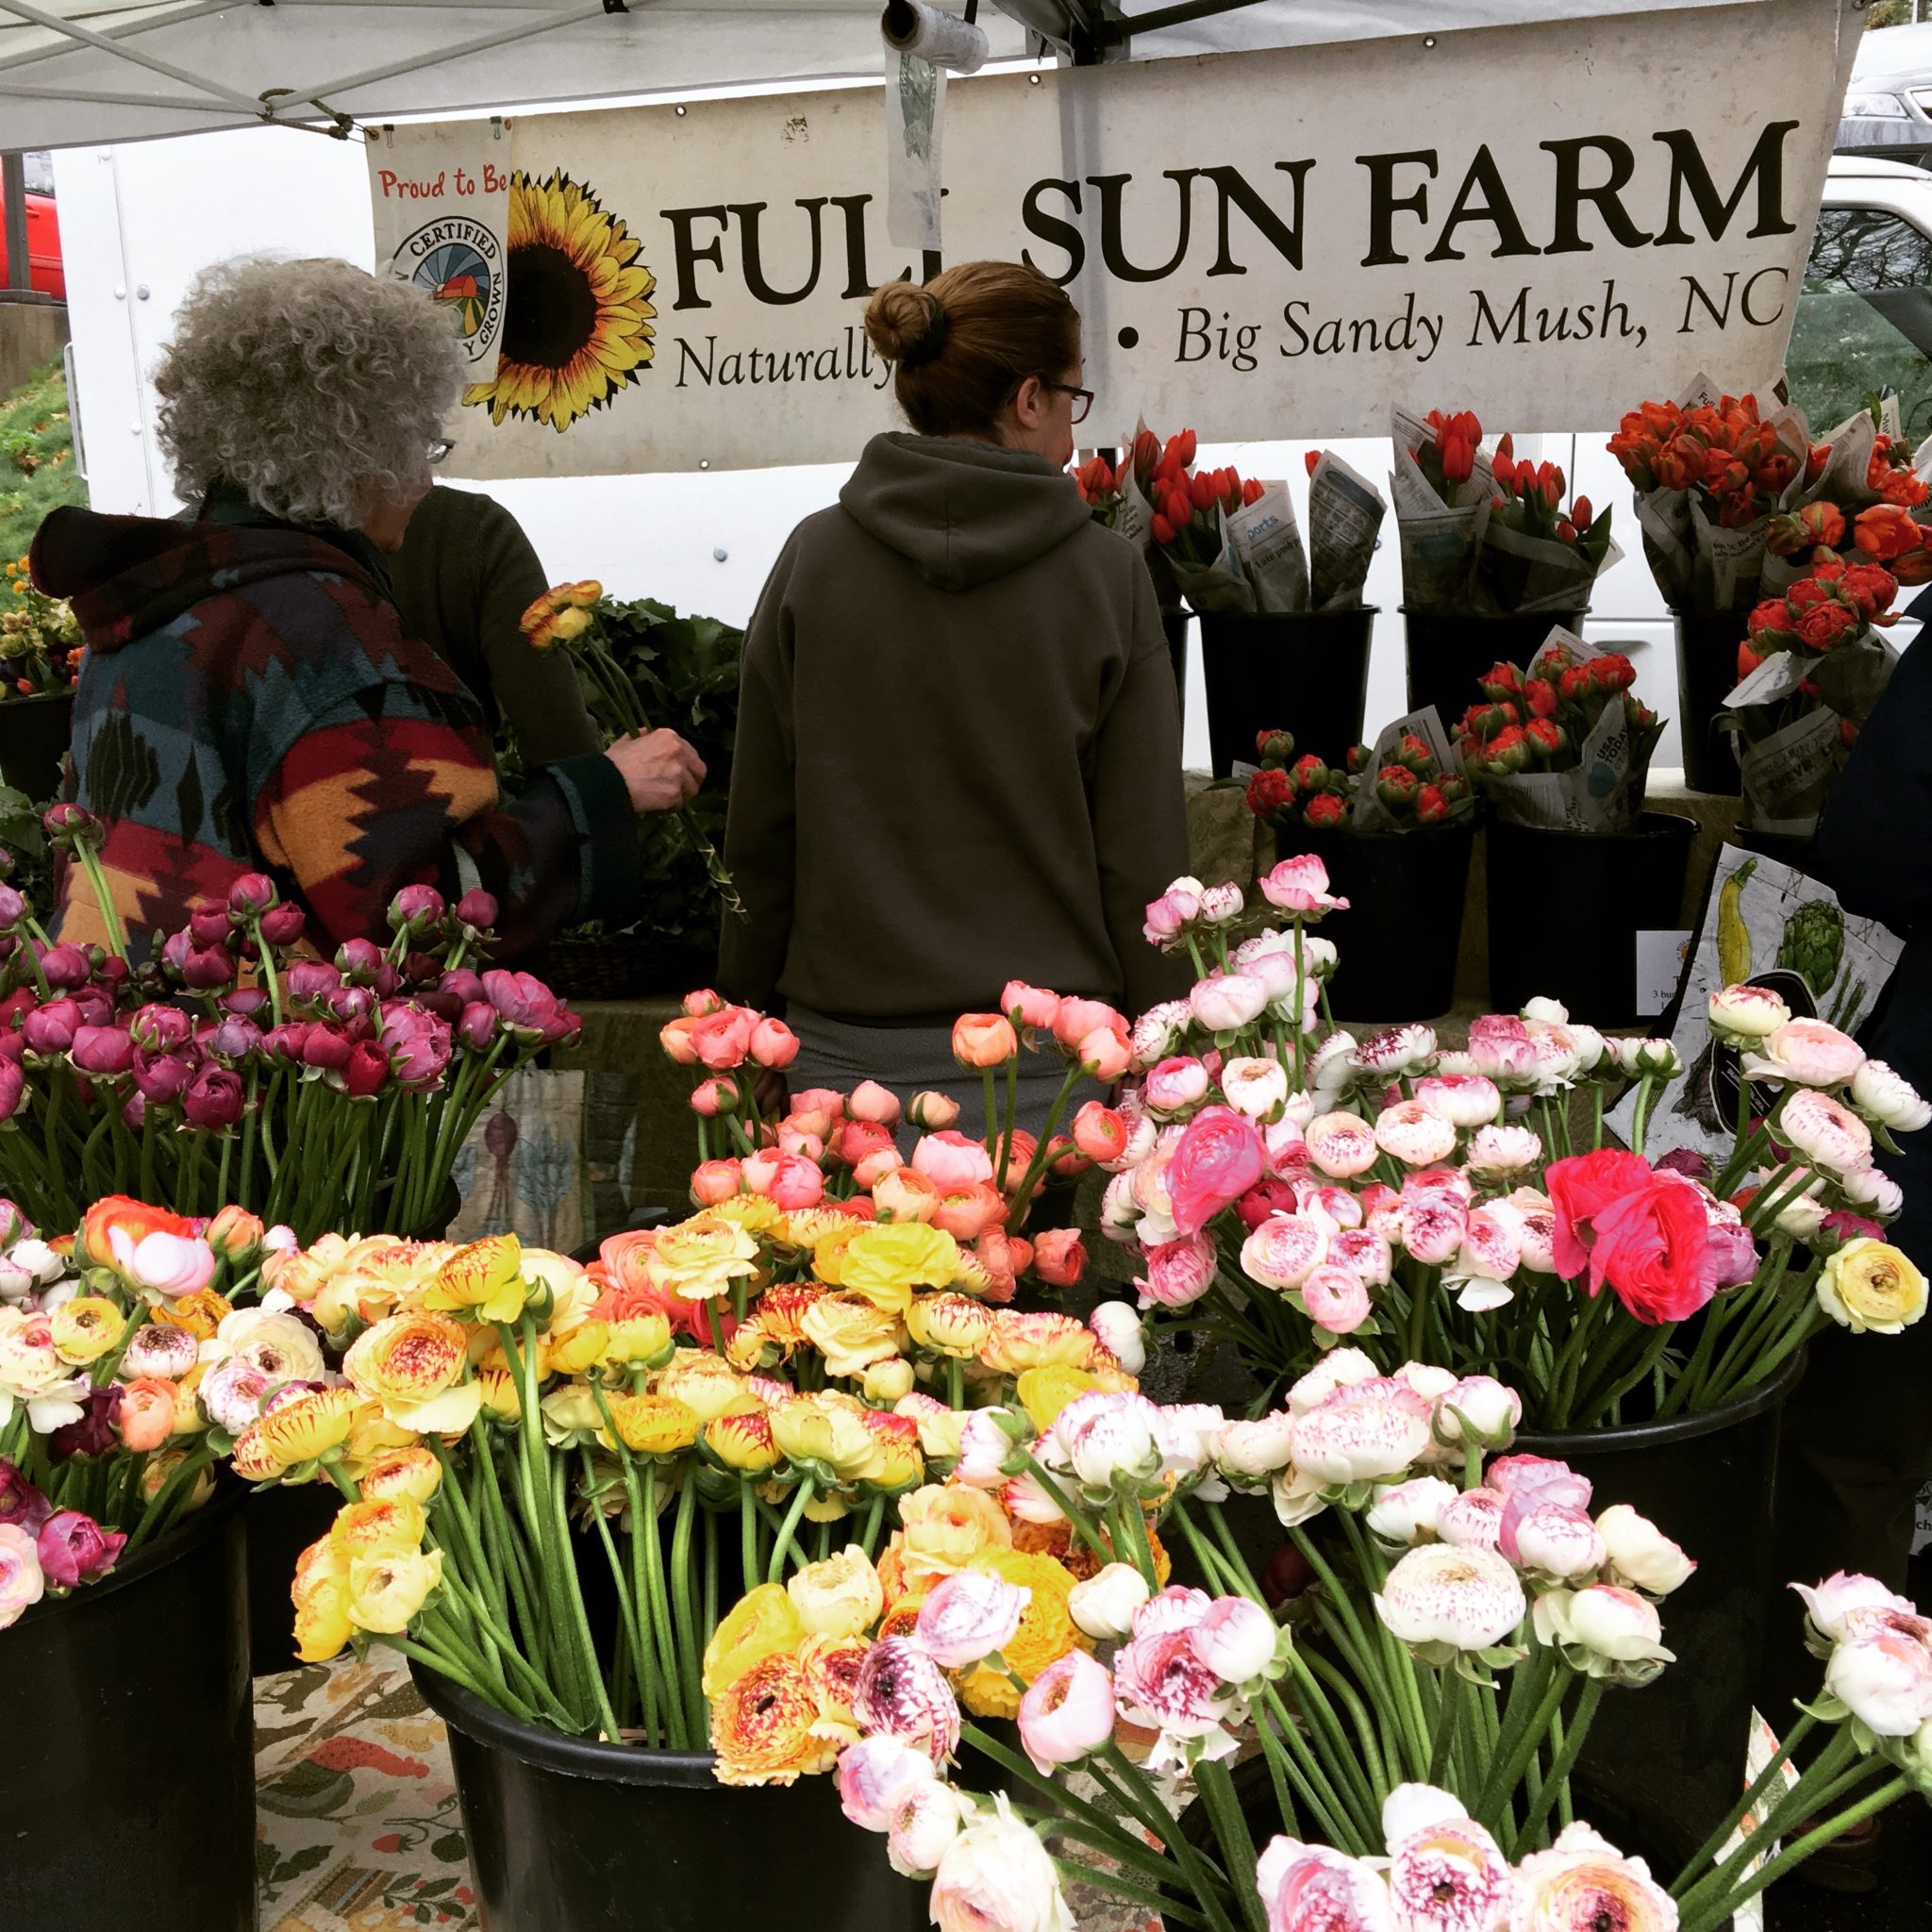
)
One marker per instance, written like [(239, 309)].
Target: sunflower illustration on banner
[(577, 323)]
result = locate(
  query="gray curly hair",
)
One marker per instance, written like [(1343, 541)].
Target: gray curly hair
[(313, 386)]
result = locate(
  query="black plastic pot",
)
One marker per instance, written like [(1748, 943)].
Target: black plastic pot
[(34, 736), (127, 1781), (1708, 644), (565, 1834), (1175, 623), (1670, 1757), (1448, 651), (1565, 909), (1399, 937), (281, 1523), (1304, 671)]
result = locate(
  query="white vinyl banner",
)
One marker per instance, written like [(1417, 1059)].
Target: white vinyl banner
[(1544, 223)]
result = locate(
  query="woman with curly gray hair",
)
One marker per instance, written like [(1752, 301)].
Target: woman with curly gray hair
[(249, 700)]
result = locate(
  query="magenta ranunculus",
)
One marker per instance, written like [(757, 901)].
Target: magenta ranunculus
[(214, 1099), (531, 1011), (235, 1040), (93, 1434), (476, 1026), (13, 1080), (283, 926), (310, 981), (903, 1692), (252, 895), (1217, 1160), (477, 908), (50, 1029), (74, 1548), (208, 925), (418, 1044), (65, 967), (162, 1029), (104, 1052), (417, 910), (21, 1503)]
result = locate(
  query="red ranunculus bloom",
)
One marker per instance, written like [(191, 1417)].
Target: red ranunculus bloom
[(1578, 1189)]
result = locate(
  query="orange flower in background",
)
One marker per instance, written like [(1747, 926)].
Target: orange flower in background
[(1885, 532), (198, 1314), (766, 1725), (134, 1219)]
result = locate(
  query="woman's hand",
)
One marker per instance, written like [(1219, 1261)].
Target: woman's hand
[(660, 770)]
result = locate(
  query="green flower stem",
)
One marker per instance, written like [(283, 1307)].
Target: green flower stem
[(774, 1571), (1448, 1704), (1231, 1549), (1411, 1714), (159, 1513), (991, 1135), (1339, 1604), (658, 1643), (1528, 1838), (1707, 1914), (1213, 1564), (1237, 1843), (1802, 1726), (1071, 1510), (684, 1605), (1197, 1871), (1745, 1155), (1351, 1814), (1366, 1728), (578, 1621), (1292, 1759), (1009, 1121), (1081, 1873), (1036, 1168), (1496, 1804)]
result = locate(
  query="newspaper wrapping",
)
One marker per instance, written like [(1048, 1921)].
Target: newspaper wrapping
[(1439, 541), (1266, 543), (1368, 813), (1515, 572), (1345, 512), (1603, 793)]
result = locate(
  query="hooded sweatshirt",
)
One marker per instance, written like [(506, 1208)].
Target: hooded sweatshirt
[(249, 702), (957, 758)]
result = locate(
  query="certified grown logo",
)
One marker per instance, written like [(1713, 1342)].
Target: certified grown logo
[(459, 265)]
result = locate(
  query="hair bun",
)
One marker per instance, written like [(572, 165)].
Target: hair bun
[(905, 323)]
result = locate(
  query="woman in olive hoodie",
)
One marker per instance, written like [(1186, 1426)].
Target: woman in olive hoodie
[(959, 741)]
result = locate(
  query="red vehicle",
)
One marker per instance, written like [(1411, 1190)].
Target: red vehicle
[(43, 248)]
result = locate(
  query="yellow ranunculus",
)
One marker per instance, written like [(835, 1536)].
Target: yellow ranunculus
[(761, 1622), (1044, 1391), (500, 1396), (651, 1424), (851, 1333), (412, 1472), (951, 1325), (571, 1292), (372, 1435), (1035, 1338), (198, 1313), (384, 1526), (300, 1428), (641, 1337), (1870, 1287), (385, 1592), (406, 1360), (828, 1249), (571, 1411), (888, 1381), (485, 1280), (572, 1354), (86, 1328), (809, 1428), (885, 1262), (705, 1383), (1047, 1631), (758, 1213), (321, 1595), (945, 1525), (832, 1665), (740, 1439), (765, 1725), (940, 1426), (895, 1464), (838, 1597), (700, 1258)]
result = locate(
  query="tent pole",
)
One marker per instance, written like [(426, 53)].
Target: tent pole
[(21, 9), (14, 187)]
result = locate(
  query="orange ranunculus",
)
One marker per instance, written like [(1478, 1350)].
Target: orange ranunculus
[(146, 1414), (765, 1724), (199, 1313), (132, 1218), (984, 1039)]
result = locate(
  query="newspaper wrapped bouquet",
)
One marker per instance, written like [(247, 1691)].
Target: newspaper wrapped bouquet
[(1407, 786), (1864, 493), (1226, 543), (1566, 746), (1484, 534), (1812, 664)]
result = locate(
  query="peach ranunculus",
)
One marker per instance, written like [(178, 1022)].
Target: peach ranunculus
[(984, 1039), (146, 1415)]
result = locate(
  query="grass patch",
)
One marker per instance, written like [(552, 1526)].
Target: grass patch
[(36, 457)]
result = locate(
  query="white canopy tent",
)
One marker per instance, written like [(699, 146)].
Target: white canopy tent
[(80, 72)]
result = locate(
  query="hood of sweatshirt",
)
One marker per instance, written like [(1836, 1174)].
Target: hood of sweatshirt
[(964, 512), (127, 576)]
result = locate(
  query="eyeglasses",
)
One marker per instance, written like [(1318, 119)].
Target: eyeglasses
[(1083, 398), (440, 449)]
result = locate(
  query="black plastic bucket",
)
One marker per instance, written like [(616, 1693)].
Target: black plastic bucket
[(1565, 909), (566, 1833), (1175, 623), (281, 1523), (1708, 644), (130, 1745), (1304, 671), (35, 733), (1400, 935), (1671, 1758), (1448, 650)]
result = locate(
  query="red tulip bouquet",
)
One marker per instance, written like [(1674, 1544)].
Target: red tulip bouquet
[(1567, 744), (1286, 1185), (1812, 664), (1711, 473), (114, 1344), (1413, 788), (1418, 1709), (234, 1068), (1535, 554), (1861, 491)]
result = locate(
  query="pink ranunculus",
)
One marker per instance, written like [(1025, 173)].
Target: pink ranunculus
[(1284, 1251), (1301, 885), (1157, 1031), (710, 1098), (1432, 1230), (1583, 1882), (795, 1182), (995, 1876), (1059, 1257), (1544, 1477), (1340, 1144), (1120, 1332), (1362, 1431), (1217, 1160), (1551, 1539), (871, 1102), (722, 1040), (170, 1264), (903, 1692), (1077, 1018), (1416, 1135), (1175, 1086), (1470, 1598), (1317, 1889), (1826, 1131), (1831, 1606), (1235, 1639), (22, 1581), (1160, 1684), (774, 1044), (924, 1824), (951, 1160), (1336, 1299), (1464, 1100), (875, 1775), (1227, 1001), (1504, 1150), (1881, 1672), (1473, 1520), (1029, 1005), (1446, 1873), (1406, 1513), (1806, 1053), (1501, 1049), (968, 1616), (1067, 1712), (1104, 1053)]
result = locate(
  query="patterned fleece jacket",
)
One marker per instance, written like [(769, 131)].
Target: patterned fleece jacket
[(249, 702)]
